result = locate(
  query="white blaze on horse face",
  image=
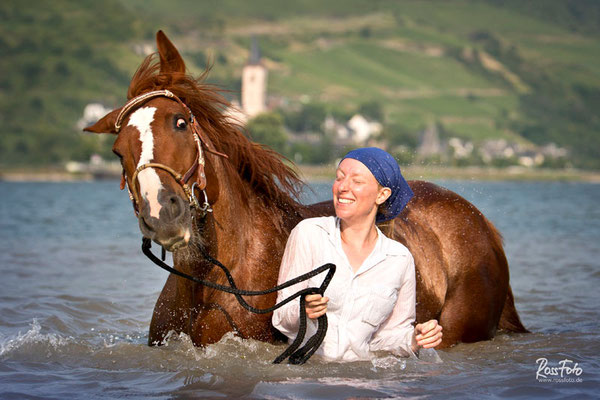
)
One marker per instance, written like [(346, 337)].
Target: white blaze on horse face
[(149, 182)]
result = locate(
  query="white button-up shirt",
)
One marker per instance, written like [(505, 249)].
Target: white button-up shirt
[(370, 310)]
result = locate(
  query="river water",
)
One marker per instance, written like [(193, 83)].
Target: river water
[(76, 298)]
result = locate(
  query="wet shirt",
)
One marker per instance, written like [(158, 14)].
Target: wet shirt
[(368, 311)]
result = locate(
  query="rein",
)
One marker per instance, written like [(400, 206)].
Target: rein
[(294, 353)]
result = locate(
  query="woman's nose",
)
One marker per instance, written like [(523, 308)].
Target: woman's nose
[(343, 186)]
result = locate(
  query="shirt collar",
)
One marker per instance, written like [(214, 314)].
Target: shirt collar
[(383, 248)]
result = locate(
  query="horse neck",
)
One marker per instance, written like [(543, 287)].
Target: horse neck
[(244, 220), (246, 236), (242, 232), (233, 220)]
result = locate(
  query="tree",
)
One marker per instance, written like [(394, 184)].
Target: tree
[(309, 118), (399, 135), (268, 129), (372, 110), (318, 153)]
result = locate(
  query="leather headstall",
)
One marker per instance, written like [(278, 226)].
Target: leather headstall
[(182, 180)]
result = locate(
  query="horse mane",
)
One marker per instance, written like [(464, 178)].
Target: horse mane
[(277, 183)]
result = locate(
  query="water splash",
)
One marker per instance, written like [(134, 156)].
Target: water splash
[(32, 336), (230, 345), (387, 362)]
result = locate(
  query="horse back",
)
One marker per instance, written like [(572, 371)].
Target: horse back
[(462, 271)]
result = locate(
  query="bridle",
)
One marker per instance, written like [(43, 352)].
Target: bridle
[(182, 180)]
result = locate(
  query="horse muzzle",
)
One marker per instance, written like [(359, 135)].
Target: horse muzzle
[(170, 226)]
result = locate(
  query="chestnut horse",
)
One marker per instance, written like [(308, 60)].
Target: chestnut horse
[(173, 132)]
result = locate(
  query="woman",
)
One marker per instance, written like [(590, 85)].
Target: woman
[(370, 302)]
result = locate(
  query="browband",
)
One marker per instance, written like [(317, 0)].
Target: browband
[(131, 104)]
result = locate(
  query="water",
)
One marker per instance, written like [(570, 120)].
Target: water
[(77, 295)]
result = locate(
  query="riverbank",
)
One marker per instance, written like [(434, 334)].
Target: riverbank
[(428, 172), (54, 174), (327, 172)]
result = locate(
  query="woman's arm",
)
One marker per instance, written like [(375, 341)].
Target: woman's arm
[(297, 260), (397, 332)]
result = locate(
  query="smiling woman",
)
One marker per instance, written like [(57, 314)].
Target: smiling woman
[(356, 193), (373, 292)]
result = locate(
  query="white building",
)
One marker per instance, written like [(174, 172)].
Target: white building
[(91, 114), (362, 129), (254, 84)]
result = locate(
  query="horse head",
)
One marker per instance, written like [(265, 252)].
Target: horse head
[(162, 148), (178, 148)]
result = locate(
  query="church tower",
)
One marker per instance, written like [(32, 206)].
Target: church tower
[(254, 84)]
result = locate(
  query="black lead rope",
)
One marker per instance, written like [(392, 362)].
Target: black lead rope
[(295, 354)]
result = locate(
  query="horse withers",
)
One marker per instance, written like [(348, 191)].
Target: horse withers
[(178, 148)]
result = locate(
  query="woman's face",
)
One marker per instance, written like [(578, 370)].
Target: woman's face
[(356, 192)]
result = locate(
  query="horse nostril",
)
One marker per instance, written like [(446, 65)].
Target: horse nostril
[(175, 206)]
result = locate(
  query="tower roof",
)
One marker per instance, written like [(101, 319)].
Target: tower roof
[(254, 58)]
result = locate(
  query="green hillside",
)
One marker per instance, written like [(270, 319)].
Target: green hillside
[(528, 72)]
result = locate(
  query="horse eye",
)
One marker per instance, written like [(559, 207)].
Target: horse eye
[(180, 123)]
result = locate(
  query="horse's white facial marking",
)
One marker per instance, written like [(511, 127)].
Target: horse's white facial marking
[(150, 184)]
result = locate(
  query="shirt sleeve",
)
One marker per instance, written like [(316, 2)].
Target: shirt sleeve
[(297, 260), (395, 334)]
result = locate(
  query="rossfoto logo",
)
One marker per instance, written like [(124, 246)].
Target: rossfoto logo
[(565, 371)]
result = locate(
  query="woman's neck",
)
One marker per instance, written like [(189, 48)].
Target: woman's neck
[(358, 240)]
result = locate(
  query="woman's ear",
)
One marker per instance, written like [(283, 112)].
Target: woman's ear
[(383, 195)]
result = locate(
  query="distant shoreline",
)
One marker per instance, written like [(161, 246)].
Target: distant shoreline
[(326, 173), (425, 172), (53, 174)]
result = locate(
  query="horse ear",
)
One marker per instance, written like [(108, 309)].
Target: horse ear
[(105, 124), (170, 60)]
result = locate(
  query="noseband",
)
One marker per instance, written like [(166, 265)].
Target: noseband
[(182, 180)]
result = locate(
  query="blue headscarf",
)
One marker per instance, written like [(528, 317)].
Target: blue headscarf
[(387, 172)]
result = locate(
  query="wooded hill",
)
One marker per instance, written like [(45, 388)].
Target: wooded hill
[(525, 71)]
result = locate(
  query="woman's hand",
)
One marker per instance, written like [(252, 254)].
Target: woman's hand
[(316, 305), (427, 335)]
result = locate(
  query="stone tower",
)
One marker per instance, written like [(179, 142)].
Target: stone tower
[(254, 83)]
